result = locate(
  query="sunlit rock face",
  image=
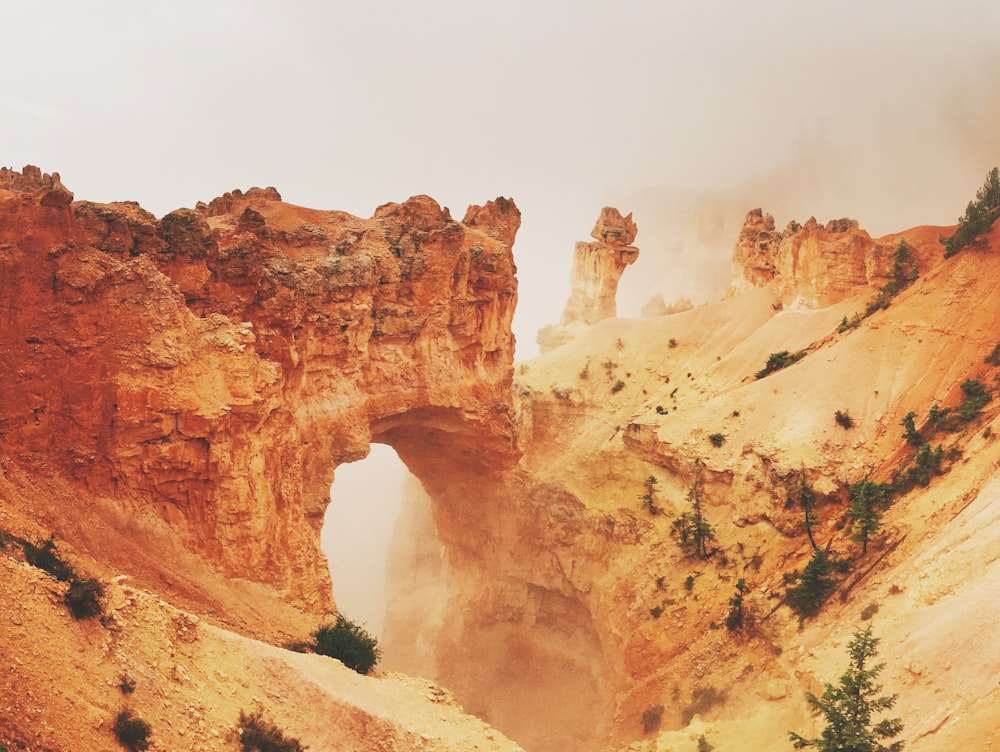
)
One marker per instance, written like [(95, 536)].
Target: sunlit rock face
[(212, 367), (810, 265)]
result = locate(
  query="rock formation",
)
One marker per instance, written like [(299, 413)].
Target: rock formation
[(810, 265), (598, 266), (178, 392), (212, 368)]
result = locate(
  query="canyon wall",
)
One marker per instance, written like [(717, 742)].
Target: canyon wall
[(179, 391), (209, 370), (569, 576)]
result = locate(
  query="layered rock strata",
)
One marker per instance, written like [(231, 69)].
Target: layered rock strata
[(810, 265), (209, 369)]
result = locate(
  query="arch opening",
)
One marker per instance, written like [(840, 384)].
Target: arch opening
[(365, 501)]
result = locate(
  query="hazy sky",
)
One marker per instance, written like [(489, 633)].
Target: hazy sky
[(565, 106), (689, 113)]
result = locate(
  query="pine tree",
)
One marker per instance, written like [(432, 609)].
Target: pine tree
[(814, 586), (807, 500), (848, 708), (691, 530), (867, 501), (649, 497)]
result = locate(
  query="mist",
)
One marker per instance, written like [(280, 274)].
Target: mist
[(686, 114), (365, 501)]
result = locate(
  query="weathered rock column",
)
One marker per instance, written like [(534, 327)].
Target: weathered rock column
[(598, 266)]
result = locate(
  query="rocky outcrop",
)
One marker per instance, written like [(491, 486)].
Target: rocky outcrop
[(598, 266), (810, 265), (213, 367)]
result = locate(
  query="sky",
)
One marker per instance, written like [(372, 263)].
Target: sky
[(686, 113)]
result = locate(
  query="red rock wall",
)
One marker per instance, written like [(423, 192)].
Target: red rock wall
[(214, 366)]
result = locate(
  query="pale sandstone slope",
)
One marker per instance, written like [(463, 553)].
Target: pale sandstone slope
[(574, 558)]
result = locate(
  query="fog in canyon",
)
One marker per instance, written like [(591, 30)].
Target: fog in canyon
[(688, 115)]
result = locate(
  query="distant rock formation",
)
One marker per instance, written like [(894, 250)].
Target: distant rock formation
[(810, 265), (598, 266), (657, 306)]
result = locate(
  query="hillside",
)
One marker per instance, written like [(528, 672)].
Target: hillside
[(181, 391)]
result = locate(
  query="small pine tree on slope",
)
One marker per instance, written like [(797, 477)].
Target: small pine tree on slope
[(848, 708)]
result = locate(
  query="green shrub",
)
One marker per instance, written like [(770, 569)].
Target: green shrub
[(83, 599), (993, 358), (778, 360), (649, 496), (867, 501), (814, 586), (911, 434), (976, 398), (978, 218), (691, 531), (260, 735), (618, 386), (45, 557), (942, 418), (848, 323), (131, 731), (844, 419), (717, 439), (735, 617), (349, 643)]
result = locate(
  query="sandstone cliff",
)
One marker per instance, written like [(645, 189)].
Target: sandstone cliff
[(597, 268), (179, 391), (810, 265), (577, 598)]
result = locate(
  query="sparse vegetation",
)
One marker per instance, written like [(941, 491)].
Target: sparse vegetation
[(349, 643), (260, 735), (926, 463), (704, 745), (126, 684), (993, 359), (672, 343), (585, 371), (847, 324), (976, 397), (689, 583), (691, 531), (904, 270), (867, 501), (778, 360), (617, 386), (814, 586), (83, 598), (131, 731), (844, 419), (911, 434), (45, 557), (717, 439), (660, 410), (649, 495), (849, 708), (651, 719), (806, 498), (978, 218), (735, 617)]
